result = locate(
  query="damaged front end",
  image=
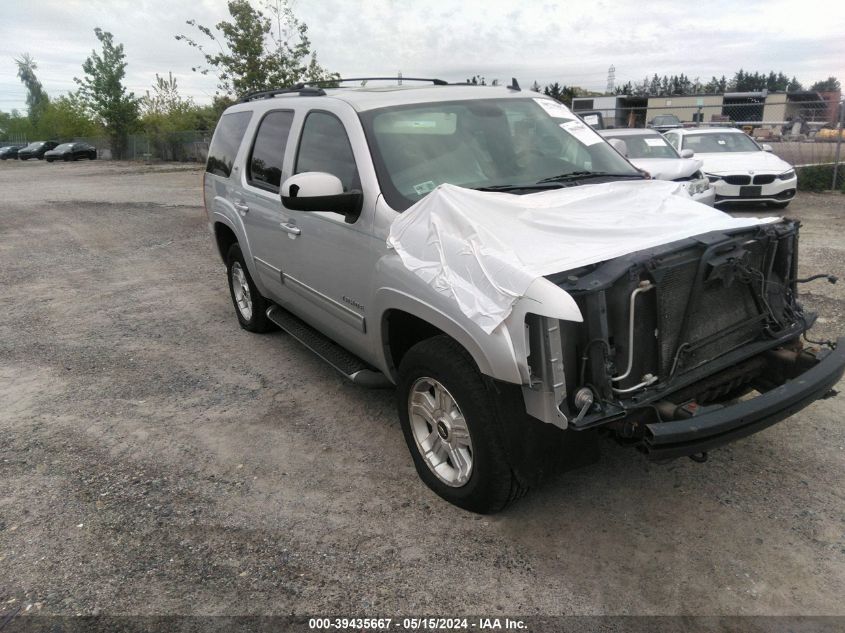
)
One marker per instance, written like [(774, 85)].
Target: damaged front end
[(676, 339)]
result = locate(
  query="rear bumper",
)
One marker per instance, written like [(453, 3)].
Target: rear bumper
[(665, 440)]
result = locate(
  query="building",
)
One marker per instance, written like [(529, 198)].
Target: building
[(748, 108)]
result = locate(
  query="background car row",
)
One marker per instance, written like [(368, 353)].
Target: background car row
[(717, 166), (49, 151)]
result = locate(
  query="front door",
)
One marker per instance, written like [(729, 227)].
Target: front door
[(327, 263)]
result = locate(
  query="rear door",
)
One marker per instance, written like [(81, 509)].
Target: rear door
[(259, 202)]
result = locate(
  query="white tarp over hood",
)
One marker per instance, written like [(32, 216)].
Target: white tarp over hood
[(485, 248)]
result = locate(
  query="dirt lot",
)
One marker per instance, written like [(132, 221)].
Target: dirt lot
[(155, 458)]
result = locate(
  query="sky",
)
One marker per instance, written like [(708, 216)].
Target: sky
[(571, 42)]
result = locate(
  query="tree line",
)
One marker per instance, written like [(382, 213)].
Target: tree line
[(260, 47), (257, 48)]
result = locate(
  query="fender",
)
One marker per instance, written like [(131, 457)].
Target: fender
[(223, 212), (542, 298), (493, 353)]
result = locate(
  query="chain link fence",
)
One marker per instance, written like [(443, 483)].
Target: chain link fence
[(805, 129), (189, 146)]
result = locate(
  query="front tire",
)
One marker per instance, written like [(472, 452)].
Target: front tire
[(250, 306), (453, 424)]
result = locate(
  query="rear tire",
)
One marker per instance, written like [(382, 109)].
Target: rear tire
[(250, 306), (452, 419)]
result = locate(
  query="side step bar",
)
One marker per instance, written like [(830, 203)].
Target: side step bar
[(341, 359)]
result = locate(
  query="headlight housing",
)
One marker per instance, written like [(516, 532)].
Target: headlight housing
[(787, 175), (699, 185), (713, 177)]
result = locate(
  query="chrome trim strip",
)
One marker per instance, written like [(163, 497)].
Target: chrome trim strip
[(340, 311), (258, 260)]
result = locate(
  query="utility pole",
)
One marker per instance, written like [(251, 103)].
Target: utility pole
[(611, 78), (839, 132)]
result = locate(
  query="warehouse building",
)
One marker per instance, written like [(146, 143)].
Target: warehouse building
[(730, 107)]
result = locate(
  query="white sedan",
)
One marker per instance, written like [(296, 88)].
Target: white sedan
[(647, 150), (739, 168)]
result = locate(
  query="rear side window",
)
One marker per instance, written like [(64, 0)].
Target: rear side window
[(268, 151), (324, 146), (224, 145)]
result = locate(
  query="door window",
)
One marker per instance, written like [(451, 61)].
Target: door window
[(264, 169), (324, 146), (224, 145)]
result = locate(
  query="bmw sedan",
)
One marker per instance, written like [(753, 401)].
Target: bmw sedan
[(71, 151), (739, 169), (36, 150)]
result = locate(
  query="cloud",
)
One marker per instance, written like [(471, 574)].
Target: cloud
[(572, 43)]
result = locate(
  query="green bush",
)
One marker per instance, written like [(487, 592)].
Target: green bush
[(820, 177)]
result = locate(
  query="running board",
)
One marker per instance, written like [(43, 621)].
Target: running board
[(341, 359)]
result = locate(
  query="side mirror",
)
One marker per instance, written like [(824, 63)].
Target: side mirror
[(619, 145), (319, 191), (687, 153), (766, 147)]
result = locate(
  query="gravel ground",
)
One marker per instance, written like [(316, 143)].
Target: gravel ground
[(157, 459)]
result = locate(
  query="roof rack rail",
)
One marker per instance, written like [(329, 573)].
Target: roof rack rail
[(322, 82), (302, 89), (312, 88)]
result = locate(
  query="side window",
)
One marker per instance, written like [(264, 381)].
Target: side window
[(224, 146), (264, 169), (324, 146)]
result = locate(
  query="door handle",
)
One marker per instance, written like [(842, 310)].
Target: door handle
[(290, 228), (241, 207)]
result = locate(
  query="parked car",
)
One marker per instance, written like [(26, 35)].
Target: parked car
[(649, 151), (739, 169), (9, 151), (517, 281), (71, 151), (665, 122), (36, 150)]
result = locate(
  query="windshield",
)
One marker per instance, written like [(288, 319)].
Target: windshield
[(720, 142), (646, 146), (480, 144), (35, 145), (64, 146), (666, 119)]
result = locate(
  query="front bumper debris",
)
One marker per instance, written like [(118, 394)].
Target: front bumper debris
[(720, 425)]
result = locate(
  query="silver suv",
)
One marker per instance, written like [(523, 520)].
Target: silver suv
[(660, 346)]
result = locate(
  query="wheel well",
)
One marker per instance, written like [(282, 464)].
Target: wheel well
[(405, 330), (225, 238)]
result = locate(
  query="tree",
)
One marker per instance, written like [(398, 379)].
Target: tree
[(794, 85), (535, 87), (67, 117), (104, 95), (36, 99), (831, 84), (165, 114), (257, 50)]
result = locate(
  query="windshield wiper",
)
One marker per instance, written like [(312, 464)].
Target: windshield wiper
[(583, 175), (536, 186)]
